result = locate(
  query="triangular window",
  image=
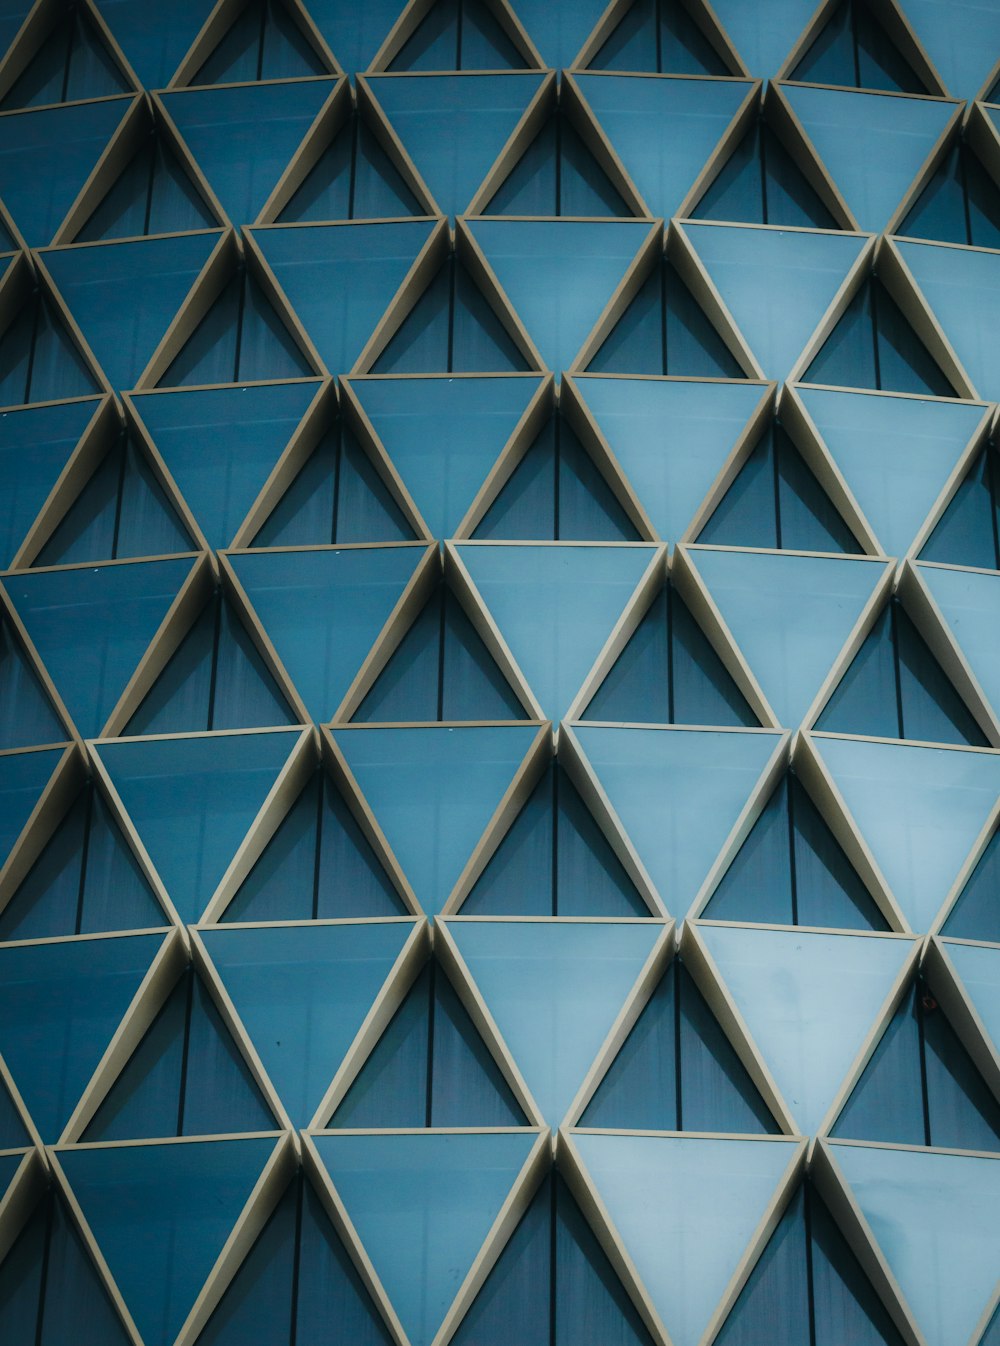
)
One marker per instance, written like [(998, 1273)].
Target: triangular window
[(452, 329), (557, 492), (678, 1071), (895, 688), (760, 183), (72, 63), (459, 35), (557, 175), (792, 870), (216, 679), (968, 533), (240, 339), (429, 1068), (352, 179), (122, 511), (554, 861), (664, 330), (441, 670), (38, 360), (960, 204), (85, 881), (659, 36), (777, 501), (668, 673), (854, 51), (185, 1078), (874, 346), (921, 1086), (976, 913), (27, 717), (265, 41), (317, 866)]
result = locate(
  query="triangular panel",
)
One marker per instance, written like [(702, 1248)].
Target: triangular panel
[(764, 34), (960, 37), (970, 604), (23, 777), (154, 44)]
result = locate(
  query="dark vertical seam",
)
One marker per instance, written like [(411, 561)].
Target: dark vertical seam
[(429, 1099), (319, 846), (69, 54), (123, 441), (84, 853), (555, 839), (452, 291), (878, 362), (240, 312), (810, 1293), (663, 313), (791, 851), (32, 345), (44, 1278), (184, 1051), (442, 596), (776, 479), (355, 148), (678, 1073), (337, 457), (293, 1325), (213, 678), (556, 461), (856, 46), (559, 156), (763, 169), (894, 631), (458, 35), (671, 707), (923, 1064), (149, 185), (553, 1259), (991, 477), (260, 45), (964, 175), (658, 18)]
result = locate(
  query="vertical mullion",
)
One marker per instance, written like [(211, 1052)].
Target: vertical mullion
[(182, 1092), (921, 991), (293, 1326), (791, 850), (894, 631), (555, 839), (84, 853), (319, 843), (429, 1096), (123, 441), (337, 457), (993, 481), (213, 679), (878, 363)]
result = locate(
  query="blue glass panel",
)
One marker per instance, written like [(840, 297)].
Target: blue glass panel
[(930, 708), (773, 604), (72, 64), (302, 993), (422, 1206), (458, 35), (760, 183), (719, 1190), (12, 1129), (156, 274), (633, 111), (27, 717), (555, 607), (919, 809), (46, 157), (323, 611), (243, 137), (977, 969), (975, 915), (26, 478), (871, 437), (777, 285), (671, 437), (353, 178), (60, 1004), (311, 262), (444, 435), (210, 787), (559, 274), (970, 604), (932, 1217), (141, 1200), (873, 145), (38, 361), (659, 35), (433, 790), (557, 175), (454, 127), (554, 990), (23, 777), (154, 43), (354, 34), (558, 33), (765, 34), (554, 861), (221, 444), (264, 42), (854, 50), (112, 611), (958, 36), (969, 531)]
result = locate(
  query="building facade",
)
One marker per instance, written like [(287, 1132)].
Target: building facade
[(499, 673)]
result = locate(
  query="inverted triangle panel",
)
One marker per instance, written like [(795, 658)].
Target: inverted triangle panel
[(809, 1001), (555, 607), (362, 264), (790, 615), (633, 110), (685, 1208), (960, 37), (323, 609), (432, 791), (558, 31), (154, 44), (678, 794), (895, 453), (60, 1004), (192, 801), (934, 1218), (970, 603), (671, 438), (422, 1205), (244, 135), (554, 990), (108, 612), (354, 32), (135, 288), (764, 34), (776, 283), (302, 993), (454, 126), (46, 155), (221, 444), (444, 435), (559, 274), (919, 809), (161, 1215)]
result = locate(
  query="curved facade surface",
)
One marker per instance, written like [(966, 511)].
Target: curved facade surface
[(499, 673)]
